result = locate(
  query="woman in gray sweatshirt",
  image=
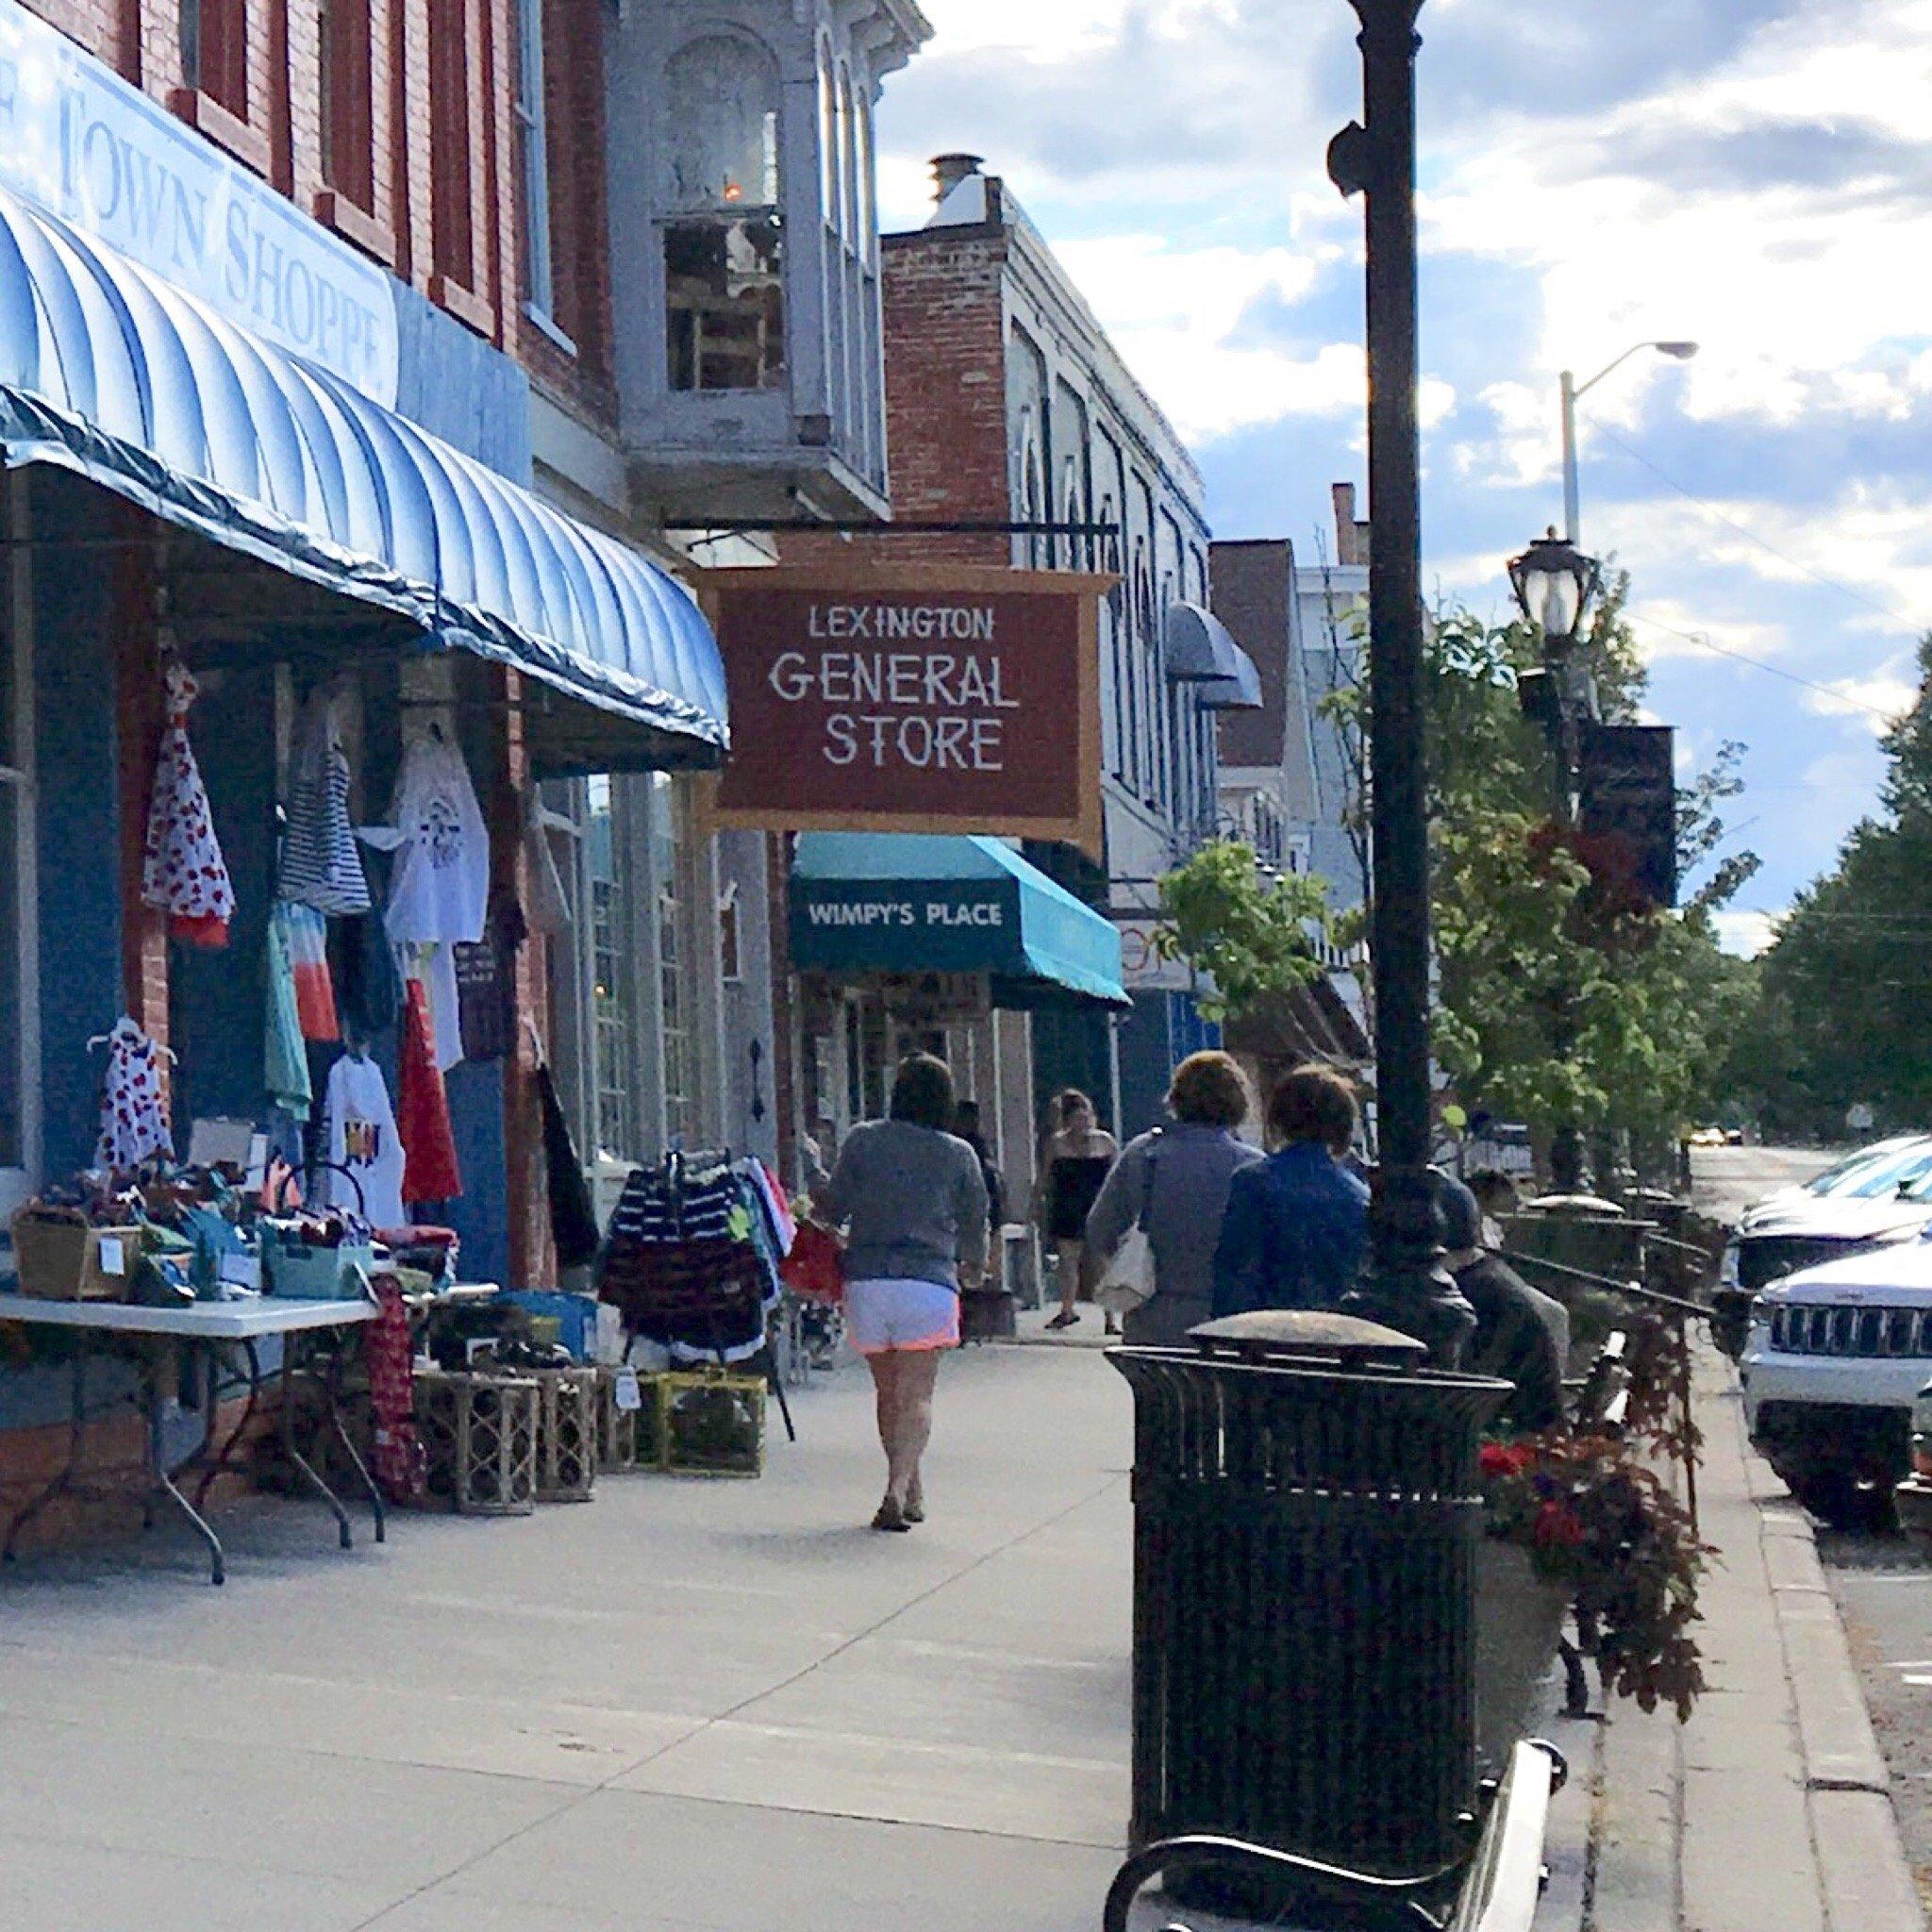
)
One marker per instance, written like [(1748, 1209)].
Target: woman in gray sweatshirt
[(914, 1201)]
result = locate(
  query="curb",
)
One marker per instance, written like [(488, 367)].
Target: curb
[(1866, 1883)]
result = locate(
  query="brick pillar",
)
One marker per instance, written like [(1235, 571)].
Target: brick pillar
[(533, 1253)]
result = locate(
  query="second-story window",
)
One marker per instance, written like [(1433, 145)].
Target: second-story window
[(724, 238), (348, 129), (453, 215), (531, 119), (214, 52)]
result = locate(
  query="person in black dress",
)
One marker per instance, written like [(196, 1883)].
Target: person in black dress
[(1078, 1158)]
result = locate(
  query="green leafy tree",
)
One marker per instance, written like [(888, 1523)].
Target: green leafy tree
[(1561, 1000), (1254, 939), (1844, 1011)]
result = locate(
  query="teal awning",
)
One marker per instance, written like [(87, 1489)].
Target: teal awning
[(892, 901)]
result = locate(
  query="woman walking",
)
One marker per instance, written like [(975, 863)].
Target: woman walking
[(1297, 1224), (913, 1200), (1072, 1169), (1174, 1182)]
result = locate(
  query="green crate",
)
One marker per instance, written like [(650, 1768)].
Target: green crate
[(711, 1421)]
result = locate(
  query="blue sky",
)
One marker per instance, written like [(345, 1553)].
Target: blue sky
[(1755, 175)]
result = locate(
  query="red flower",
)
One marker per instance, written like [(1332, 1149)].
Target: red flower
[(1499, 1459), (1557, 1526)]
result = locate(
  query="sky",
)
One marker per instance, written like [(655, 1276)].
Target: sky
[(1752, 174)]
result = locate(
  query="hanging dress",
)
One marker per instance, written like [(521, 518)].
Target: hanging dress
[(284, 1050), (430, 1172), (183, 873), (134, 1110), (322, 863), (439, 891), (303, 932)]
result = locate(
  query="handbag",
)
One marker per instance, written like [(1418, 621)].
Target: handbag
[(1129, 1282)]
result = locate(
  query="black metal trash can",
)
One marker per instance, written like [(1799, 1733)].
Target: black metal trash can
[(1305, 1516)]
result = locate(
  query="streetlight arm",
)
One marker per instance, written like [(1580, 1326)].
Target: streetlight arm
[(1583, 389)]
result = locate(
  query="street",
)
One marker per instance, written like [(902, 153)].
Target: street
[(1882, 1585), (1728, 1179)]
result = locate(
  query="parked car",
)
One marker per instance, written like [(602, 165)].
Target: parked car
[(1882, 1193), (1836, 1359)]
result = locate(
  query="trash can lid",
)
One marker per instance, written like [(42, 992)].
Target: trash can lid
[(1309, 1334), (1581, 1205)]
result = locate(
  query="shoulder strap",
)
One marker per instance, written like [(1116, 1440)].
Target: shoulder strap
[(1147, 1184)]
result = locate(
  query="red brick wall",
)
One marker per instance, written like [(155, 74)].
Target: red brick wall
[(945, 401), (281, 136)]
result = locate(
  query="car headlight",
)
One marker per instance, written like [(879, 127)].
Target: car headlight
[(1728, 1268)]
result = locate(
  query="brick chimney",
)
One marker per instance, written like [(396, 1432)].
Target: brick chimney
[(948, 171), (1351, 534)]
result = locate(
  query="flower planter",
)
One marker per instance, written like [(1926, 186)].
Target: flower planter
[(1518, 1618)]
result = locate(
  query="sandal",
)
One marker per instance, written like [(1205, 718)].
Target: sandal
[(891, 1516), (1067, 1318)]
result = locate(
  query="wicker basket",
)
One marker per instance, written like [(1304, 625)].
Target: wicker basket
[(480, 1436), (568, 1412), (711, 1421)]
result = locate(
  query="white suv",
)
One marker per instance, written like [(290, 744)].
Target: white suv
[(1835, 1359)]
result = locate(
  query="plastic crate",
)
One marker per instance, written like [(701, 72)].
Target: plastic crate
[(479, 1433), (711, 1421)]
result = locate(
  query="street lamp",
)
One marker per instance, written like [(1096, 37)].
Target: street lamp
[(1555, 584), (1375, 157), (1678, 352)]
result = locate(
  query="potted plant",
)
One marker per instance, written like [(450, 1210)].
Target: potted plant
[(1584, 1522)]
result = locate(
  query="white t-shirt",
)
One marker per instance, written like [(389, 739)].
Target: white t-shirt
[(362, 1137), (439, 885)]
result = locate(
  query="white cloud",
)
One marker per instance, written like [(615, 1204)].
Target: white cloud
[(1746, 934), (1174, 312), (1876, 701)]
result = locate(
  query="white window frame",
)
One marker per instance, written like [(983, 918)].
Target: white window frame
[(537, 258)]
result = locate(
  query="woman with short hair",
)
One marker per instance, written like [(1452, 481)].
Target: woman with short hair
[(1297, 1223), (1175, 1183), (914, 1201)]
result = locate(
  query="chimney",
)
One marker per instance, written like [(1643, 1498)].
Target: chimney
[(948, 171), (1351, 535)]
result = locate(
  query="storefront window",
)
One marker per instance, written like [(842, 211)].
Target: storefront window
[(674, 965), (613, 992), (724, 253)]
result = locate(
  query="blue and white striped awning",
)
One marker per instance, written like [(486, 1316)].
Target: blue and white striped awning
[(111, 372)]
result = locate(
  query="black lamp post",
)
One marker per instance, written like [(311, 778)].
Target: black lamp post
[(1377, 157), (1555, 584)]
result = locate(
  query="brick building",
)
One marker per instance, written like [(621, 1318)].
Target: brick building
[(1008, 404), (309, 378)]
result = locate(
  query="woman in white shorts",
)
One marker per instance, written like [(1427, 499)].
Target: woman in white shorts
[(913, 1200)]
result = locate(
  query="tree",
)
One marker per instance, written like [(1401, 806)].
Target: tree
[(1562, 1000), (1252, 938), (1844, 992)]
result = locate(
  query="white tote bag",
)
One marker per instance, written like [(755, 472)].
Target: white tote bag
[(1129, 1283)]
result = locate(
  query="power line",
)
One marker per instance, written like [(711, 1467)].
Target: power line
[(1705, 642), (1750, 536)]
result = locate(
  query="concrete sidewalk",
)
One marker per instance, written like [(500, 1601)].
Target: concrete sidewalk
[(1769, 1811), (693, 1704)]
